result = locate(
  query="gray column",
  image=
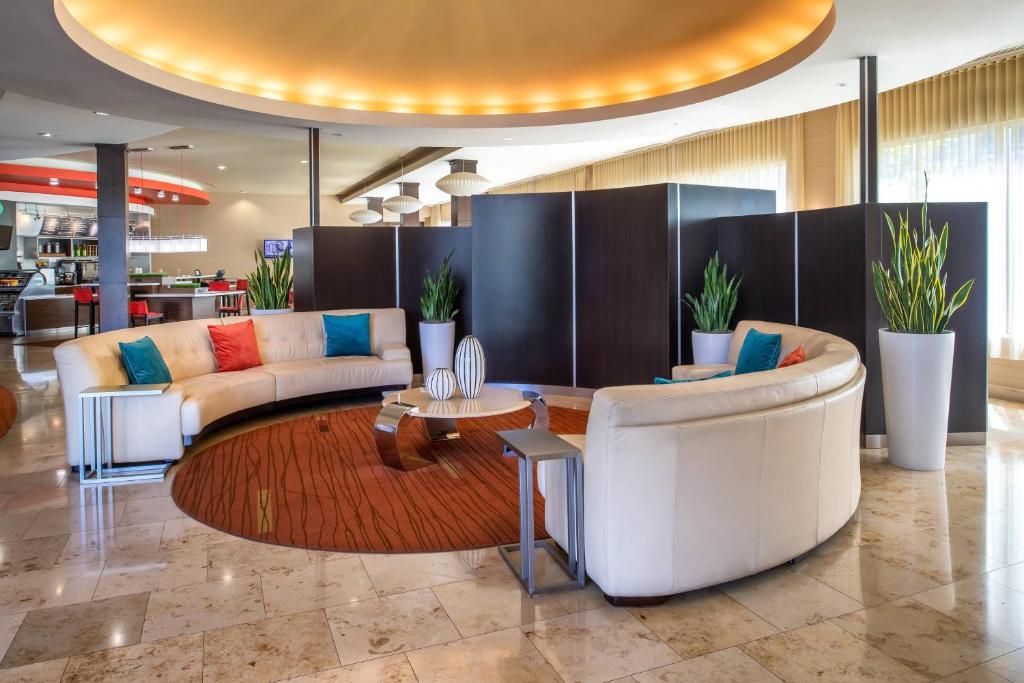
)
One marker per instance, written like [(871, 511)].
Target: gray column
[(410, 190), (462, 207), (112, 212), (376, 204), (314, 176), (868, 129)]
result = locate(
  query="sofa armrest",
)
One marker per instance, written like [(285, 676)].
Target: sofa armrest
[(394, 351), (699, 371)]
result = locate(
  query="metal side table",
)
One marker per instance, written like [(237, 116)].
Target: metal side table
[(96, 465), (533, 446)]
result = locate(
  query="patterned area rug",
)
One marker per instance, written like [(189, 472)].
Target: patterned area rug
[(317, 482), (8, 410)]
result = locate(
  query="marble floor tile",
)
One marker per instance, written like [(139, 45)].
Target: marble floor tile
[(147, 510), (116, 543), (270, 650), (77, 629), (202, 607), (43, 672), (999, 535), (598, 645), (924, 639), (393, 669), (703, 621), (940, 558), (590, 597), (186, 533), (981, 602), (379, 627), (976, 674), (1010, 666), (36, 500), (318, 556), (867, 578), (247, 558), (725, 666), (1012, 576), (174, 659), (9, 625), (393, 574), (500, 657), (850, 535), (48, 587), (17, 483), (14, 526), (28, 555), (76, 519), (490, 604), (788, 599), (316, 586), (825, 652), (157, 570)]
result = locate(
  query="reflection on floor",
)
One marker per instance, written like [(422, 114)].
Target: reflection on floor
[(927, 582)]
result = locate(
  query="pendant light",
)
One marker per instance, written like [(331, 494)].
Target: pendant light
[(462, 183), (174, 244), (365, 216), (402, 203)]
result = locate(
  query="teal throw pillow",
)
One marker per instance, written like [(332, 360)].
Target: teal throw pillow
[(759, 352), (143, 363), (662, 380), (347, 335)]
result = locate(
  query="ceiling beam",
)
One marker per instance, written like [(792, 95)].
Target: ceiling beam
[(417, 158)]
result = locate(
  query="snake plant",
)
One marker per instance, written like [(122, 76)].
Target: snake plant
[(912, 291), (713, 309), (437, 303), (270, 284)]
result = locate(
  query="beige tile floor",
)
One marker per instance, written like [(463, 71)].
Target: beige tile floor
[(925, 583)]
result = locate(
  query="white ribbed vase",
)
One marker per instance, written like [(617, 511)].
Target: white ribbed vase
[(470, 366), (440, 384)]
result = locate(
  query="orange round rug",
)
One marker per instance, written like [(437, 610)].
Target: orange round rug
[(317, 482)]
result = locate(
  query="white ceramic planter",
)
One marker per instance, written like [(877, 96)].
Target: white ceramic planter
[(711, 348), (269, 311), (437, 346), (917, 370)]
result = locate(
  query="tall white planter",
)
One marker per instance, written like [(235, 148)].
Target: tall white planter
[(917, 370), (437, 344), (470, 366), (711, 348)]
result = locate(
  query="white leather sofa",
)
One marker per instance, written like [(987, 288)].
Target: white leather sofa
[(291, 346), (691, 485)]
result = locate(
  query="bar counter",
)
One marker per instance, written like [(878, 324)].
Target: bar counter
[(185, 306)]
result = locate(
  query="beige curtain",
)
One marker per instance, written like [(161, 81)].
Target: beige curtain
[(847, 154), (699, 158)]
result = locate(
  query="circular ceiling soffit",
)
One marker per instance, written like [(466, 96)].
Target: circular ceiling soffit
[(450, 63)]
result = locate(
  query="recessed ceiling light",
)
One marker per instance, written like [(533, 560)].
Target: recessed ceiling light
[(221, 167), (509, 139), (842, 84), (304, 161), (101, 113), (338, 135), (45, 135), (54, 181)]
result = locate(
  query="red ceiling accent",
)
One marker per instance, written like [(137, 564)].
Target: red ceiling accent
[(21, 178)]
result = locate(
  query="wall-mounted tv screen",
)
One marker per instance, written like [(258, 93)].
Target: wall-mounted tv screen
[(275, 248)]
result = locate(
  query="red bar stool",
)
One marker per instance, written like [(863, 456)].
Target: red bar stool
[(86, 296), (242, 285), (139, 310), (224, 307)]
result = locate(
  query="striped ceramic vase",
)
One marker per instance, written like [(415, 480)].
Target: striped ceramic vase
[(440, 384), (470, 366)]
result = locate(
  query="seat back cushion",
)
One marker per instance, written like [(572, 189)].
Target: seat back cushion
[(298, 336), (235, 346), (143, 363)]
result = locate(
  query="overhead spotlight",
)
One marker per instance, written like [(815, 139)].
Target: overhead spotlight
[(46, 134), (54, 181), (508, 139), (175, 197), (842, 84), (137, 190), (338, 135), (101, 113), (304, 161), (161, 194), (221, 167)]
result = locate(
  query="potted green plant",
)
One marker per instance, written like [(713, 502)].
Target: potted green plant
[(712, 311), (270, 284), (916, 348), (437, 325)]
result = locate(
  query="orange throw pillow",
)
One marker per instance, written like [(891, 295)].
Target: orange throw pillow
[(795, 356), (235, 346)]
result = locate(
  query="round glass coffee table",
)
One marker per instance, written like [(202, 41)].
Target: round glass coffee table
[(439, 417)]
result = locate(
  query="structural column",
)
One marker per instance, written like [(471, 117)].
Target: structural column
[(411, 219), (462, 207), (376, 204), (314, 176), (112, 214), (868, 129)]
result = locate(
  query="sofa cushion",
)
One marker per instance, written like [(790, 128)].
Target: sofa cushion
[(327, 375), (760, 352), (235, 346), (211, 397), (793, 358), (347, 335), (300, 335), (143, 363)]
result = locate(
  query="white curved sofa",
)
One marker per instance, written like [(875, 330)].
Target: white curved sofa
[(292, 349), (691, 485)]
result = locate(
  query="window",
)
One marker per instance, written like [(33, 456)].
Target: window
[(764, 177), (980, 164)]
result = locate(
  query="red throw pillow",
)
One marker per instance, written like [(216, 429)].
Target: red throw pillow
[(235, 346), (795, 356)]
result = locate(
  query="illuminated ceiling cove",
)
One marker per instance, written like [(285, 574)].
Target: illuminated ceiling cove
[(450, 62)]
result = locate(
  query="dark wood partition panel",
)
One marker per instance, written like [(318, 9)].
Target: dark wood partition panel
[(420, 249), (342, 267), (762, 248), (522, 286)]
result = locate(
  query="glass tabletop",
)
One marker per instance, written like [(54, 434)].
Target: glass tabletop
[(492, 400)]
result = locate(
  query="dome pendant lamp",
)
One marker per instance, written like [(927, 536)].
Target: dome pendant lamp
[(365, 216), (463, 181), (402, 203)]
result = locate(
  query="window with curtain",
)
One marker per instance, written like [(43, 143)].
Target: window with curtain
[(761, 177), (984, 163)]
